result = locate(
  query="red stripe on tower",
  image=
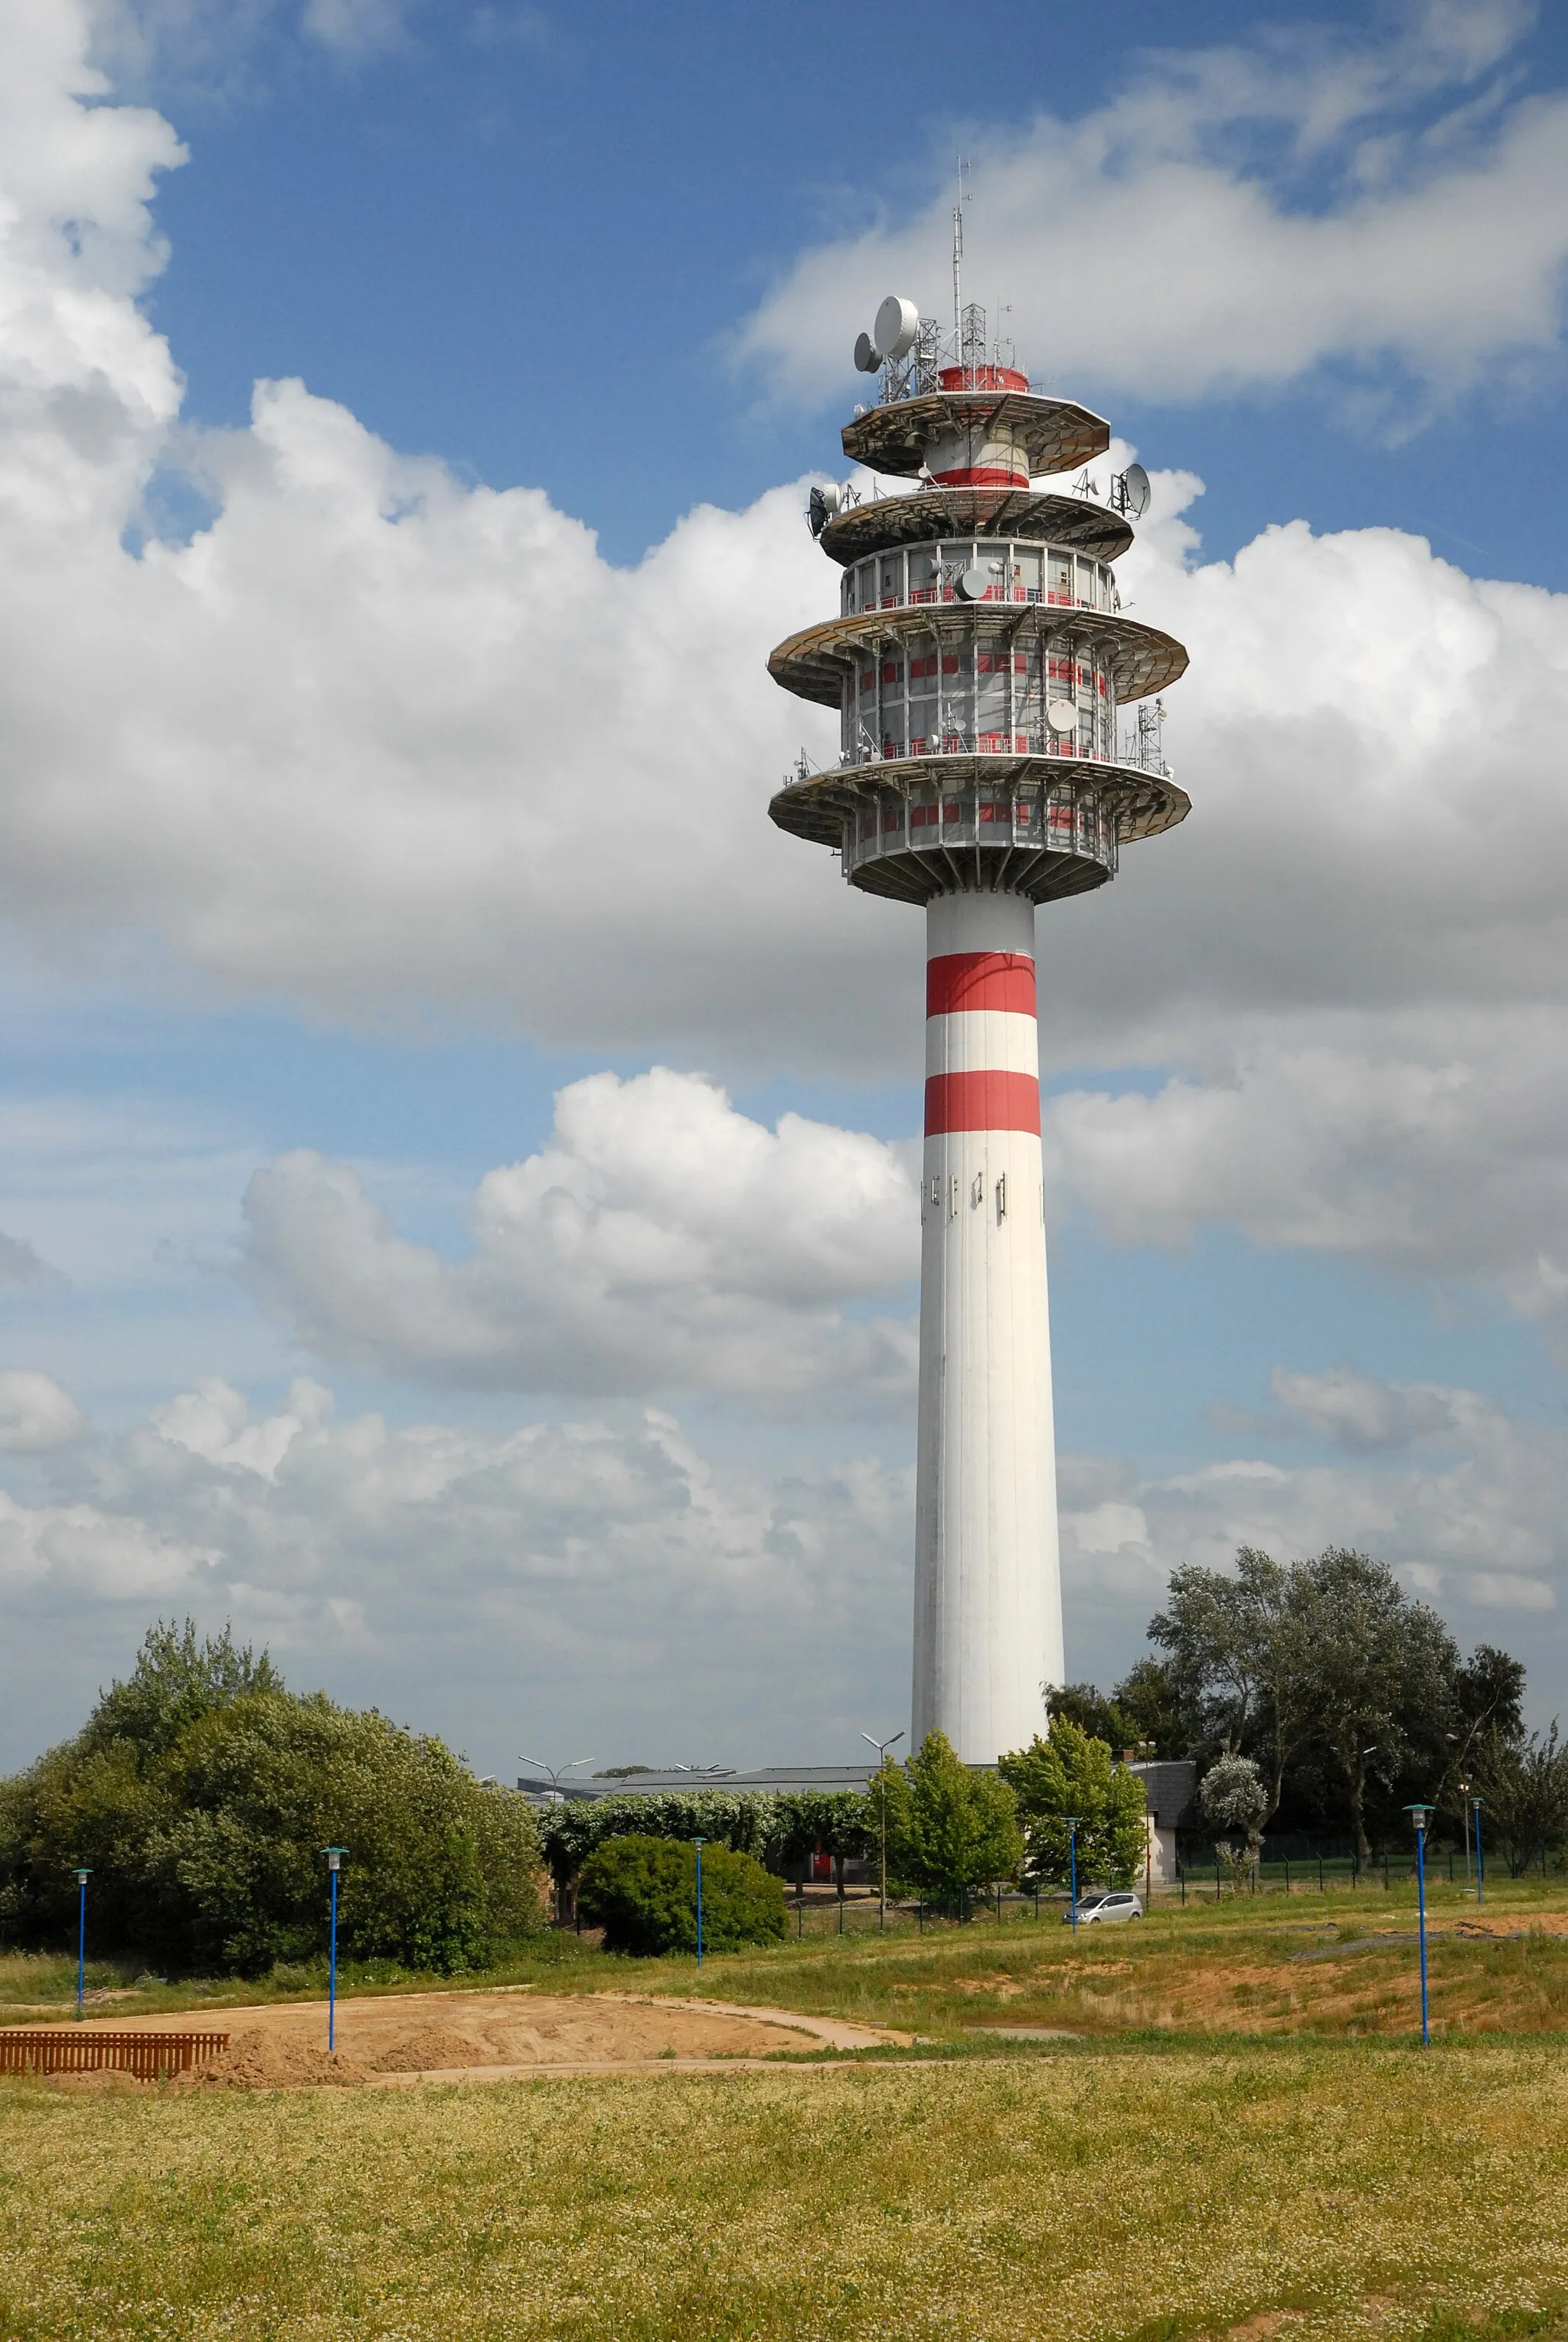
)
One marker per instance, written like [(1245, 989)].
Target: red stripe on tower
[(960, 980), (987, 1101)]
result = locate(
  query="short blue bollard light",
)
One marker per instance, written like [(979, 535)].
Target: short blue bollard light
[(334, 1854), (1073, 1862), (699, 1844), (81, 1878), (1418, 1815), (1479, 1865)]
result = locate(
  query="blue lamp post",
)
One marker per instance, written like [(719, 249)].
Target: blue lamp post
[(1072, 1861), (699, 1844), (334, 1854), (1479, 1865), (81, 1878), (1418, 1815)]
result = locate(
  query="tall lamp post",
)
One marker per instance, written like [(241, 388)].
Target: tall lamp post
[(1480, 1859), (1464, 1810), (881, 1747), (699, 1844), (554, 1774), (334, 1854), (1418, 1815), (81, 1878), (1073, 1862)]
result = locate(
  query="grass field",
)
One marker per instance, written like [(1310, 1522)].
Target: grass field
[(1241, 2144)]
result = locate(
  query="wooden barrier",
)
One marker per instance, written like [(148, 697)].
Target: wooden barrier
[(62, 2049)]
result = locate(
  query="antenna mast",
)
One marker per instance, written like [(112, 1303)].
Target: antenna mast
[(962, 197)]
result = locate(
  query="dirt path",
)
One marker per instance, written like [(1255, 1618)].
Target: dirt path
[(407, 2037)]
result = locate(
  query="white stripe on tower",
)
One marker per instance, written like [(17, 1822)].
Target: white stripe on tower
[(988, 1594)]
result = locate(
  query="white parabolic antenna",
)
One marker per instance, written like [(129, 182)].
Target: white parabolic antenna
[(972, 585), (1061, 715), (867, 356), (897, 324), (1138, 490)]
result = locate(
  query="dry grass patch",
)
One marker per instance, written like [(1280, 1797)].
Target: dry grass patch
[(1109, 2198)]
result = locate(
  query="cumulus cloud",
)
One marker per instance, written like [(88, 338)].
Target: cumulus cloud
[(1473, 1523), (37, 1417), (570, 1577), (1305, 200), (660, 1240)]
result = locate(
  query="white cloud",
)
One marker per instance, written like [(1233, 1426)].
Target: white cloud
[(556, 1577), (1477, 1530), (356, 28), (660, 1240), (37, 1417), (1253, 212)]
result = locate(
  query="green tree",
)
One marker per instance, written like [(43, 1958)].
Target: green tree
[(952, 1829), (1231, 1661), (1372, 1670), (1148, 1708), (643, 1891), (1070, 1772), (201, 1792), (1523, 1783)]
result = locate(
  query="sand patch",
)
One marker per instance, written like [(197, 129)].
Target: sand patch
[(104, 2084), (258, 2060)]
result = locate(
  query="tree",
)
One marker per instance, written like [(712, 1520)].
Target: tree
[(643, 1891), (1524, 1787), (1372, 1670), (201, 1793), (1071, 1773), (1231, 1660), (951, 1829), (1232, 1798), (1150, 1710), (1085, 1705)]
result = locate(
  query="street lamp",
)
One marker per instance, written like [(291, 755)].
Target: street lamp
[(334, 1854), (81, 1878), (555, 1772), (1073, 1820), (1480, 1859), (881, 1747), (699, 1843), (1464, 1809), (1418, 1815)]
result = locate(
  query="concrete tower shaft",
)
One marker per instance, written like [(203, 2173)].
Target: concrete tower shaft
[(978, 662), (987, 1578)]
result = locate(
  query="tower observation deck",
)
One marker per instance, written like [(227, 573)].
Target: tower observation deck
[(980, 662)]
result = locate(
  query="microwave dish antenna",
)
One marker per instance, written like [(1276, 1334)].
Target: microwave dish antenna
[(867, 356), (897, 328), (1130, 491), (1061, 715), (825, 504)]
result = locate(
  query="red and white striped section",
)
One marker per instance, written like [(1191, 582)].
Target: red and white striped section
[(988, 1602)]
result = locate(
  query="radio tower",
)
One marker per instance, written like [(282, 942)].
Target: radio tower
[(978, 663)]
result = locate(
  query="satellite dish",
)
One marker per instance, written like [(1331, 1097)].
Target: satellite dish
[(897, 324), (1061, 715), (971, 585), (1136, 482), (867, 356)]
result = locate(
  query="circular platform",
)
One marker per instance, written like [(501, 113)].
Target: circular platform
[(814, 663), (1056, 434), (935, 514)]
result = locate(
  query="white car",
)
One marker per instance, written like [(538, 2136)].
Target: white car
[(1103, 1910)]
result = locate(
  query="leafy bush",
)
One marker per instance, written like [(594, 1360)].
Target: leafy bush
[(201, 1793), (643, 1891)]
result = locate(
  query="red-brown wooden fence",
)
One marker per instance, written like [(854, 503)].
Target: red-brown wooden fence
[(61, 2049)]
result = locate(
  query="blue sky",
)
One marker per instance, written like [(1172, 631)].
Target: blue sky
[(300, 696)]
